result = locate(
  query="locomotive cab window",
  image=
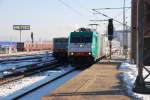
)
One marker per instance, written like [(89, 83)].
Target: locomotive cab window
[(81, 39)]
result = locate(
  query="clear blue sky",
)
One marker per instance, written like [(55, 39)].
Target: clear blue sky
[(51, 18)]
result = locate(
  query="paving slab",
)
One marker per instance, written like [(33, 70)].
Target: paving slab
[(99, 82)]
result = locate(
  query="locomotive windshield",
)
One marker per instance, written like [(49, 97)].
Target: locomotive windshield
[(81, 39)]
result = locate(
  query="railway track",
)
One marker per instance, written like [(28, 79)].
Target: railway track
[(29, 72), (61, 70), (9, 67), (48, 82), (21, 57), (21, 54), (35, 71), (15, 59)]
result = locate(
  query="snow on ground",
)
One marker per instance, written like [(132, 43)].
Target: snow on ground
[(38, 94), (13, 89), (128, 76)]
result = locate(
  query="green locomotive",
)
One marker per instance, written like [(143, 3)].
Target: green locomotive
[(85, 46)]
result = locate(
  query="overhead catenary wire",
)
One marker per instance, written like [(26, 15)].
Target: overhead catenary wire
[(81, 5), (68, 6), (121, 13), (100, 20), (98, 12), (111, 8)]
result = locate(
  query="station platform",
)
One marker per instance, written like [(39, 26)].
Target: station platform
[(99, 82)]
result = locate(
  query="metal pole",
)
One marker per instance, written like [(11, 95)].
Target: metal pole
[(110, 47), (124, 37), (20, 35), (140, 40), (134, 31)]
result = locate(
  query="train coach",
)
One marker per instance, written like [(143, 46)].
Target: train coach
[(85, 46), (60, 48)]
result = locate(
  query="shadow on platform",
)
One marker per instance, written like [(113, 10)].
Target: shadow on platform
[(107, 92), (109, 62)]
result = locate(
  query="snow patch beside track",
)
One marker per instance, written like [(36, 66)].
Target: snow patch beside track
[(128, 76), (14, 89)]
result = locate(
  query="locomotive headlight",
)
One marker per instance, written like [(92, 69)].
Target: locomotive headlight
[(72, 53), (81, 45), (89, 53)]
